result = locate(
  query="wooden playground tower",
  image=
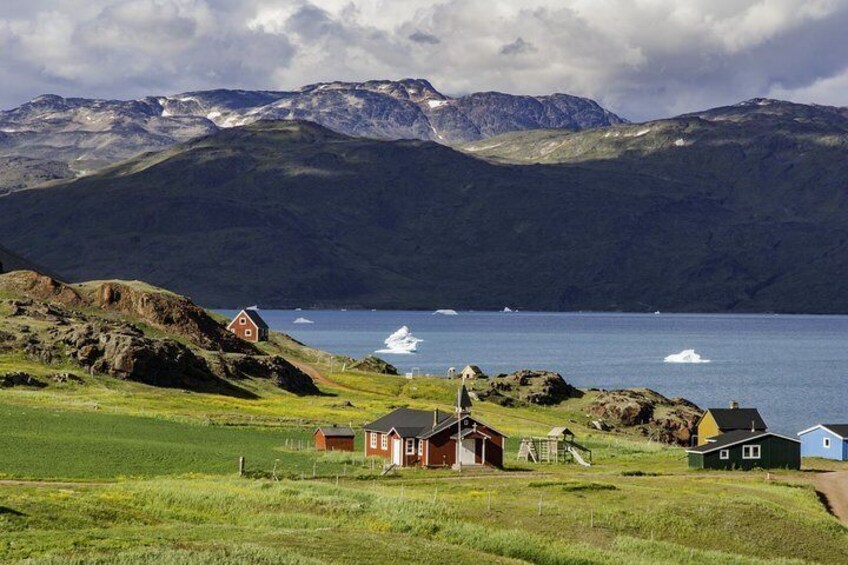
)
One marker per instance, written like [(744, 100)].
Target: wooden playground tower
[(557, 447)]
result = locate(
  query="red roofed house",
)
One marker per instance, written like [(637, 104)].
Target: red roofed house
[(422, 438), (249, 326)]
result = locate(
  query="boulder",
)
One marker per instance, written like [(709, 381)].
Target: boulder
[(660, 418), (531, 387), (372, 364), (8, 380)]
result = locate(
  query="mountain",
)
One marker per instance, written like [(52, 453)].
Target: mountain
[(89, 134), (18, 173), (10, 261), (739, 209)]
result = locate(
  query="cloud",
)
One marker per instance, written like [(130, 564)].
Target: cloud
[(518, 47), (641, 58), (422, 37)]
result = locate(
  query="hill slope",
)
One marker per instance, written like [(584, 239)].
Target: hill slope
[(747, 217)]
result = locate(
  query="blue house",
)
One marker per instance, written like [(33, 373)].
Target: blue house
[(829, 441)]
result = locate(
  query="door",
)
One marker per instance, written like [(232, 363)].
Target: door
[(397, 451), (468, 447)]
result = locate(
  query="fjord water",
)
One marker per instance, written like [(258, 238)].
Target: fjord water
[(793, 368)]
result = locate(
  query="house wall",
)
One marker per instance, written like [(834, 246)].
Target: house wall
[(238, 328), (775, 453), (707, 428), (377, 451), (443, 448), (323, 443), (812, 445)]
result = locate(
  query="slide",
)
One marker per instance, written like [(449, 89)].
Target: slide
[(578, 458)]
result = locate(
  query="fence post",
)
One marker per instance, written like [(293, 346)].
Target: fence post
[(540, 505), (241, 466)]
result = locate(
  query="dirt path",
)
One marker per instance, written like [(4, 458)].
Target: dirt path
[(834, 487)]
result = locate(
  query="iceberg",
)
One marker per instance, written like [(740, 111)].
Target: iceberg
[(507, 309), (685, 356), (446, 312), (303, 321), (402, 342)]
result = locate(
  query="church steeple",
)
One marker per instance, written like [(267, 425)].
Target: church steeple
[(463, 401)]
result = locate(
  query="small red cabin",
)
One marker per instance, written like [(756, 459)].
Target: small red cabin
[(334, 438), (249, 326)]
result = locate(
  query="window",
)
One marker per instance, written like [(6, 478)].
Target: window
[(248, 333), (242, 321), (750, 452), (724, 454), (384, 441), (373, 440), (826, 443), (420, 447), (410, 446)]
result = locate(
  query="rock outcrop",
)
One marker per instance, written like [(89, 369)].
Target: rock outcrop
[(169, 312), (660, 418), (372, 364), (530, 387), (276, 369)]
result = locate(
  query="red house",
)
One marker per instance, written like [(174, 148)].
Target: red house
[(334, 438), (249, 326), (409, 438)]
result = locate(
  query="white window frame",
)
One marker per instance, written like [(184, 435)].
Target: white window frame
[(248, 333), (242, 321), (420, 447), (384, 442), (373, 439), (410, 446), (724, 454), (826, 442), (751, 452)]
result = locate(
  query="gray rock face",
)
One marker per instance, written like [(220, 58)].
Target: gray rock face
[(86, 135)]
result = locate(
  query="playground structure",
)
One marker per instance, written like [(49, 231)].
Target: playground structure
[(557, 447)]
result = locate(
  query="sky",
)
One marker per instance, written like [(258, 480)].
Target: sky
[(642, 59)]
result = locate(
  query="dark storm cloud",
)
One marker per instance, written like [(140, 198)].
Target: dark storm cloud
[(641, 58)]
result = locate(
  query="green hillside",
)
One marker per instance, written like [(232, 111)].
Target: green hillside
[(740, 209)]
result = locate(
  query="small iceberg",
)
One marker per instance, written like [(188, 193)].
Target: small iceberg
[(507, 309), (303, 321), (402, 342), (254, 307), (446, 312), (686, 356)]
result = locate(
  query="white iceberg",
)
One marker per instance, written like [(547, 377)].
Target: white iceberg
[(303, 321), (507, 309), (686, 356), (446, 312), (402, 342)]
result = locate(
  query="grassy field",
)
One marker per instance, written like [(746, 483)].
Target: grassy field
[(158, 472), (111, 472)]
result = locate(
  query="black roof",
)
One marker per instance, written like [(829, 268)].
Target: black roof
[(729, 419), (256, 318), (839, 429), (733, 438), (407, 421), (336, 431)]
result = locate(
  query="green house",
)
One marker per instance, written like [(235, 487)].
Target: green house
[(745, 450)]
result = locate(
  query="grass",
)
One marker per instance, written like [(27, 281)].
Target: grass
[(150, 476)]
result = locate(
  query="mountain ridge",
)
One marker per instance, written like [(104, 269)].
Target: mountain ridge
[(750, 217)]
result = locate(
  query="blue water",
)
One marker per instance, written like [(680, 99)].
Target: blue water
[(793, 368)]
